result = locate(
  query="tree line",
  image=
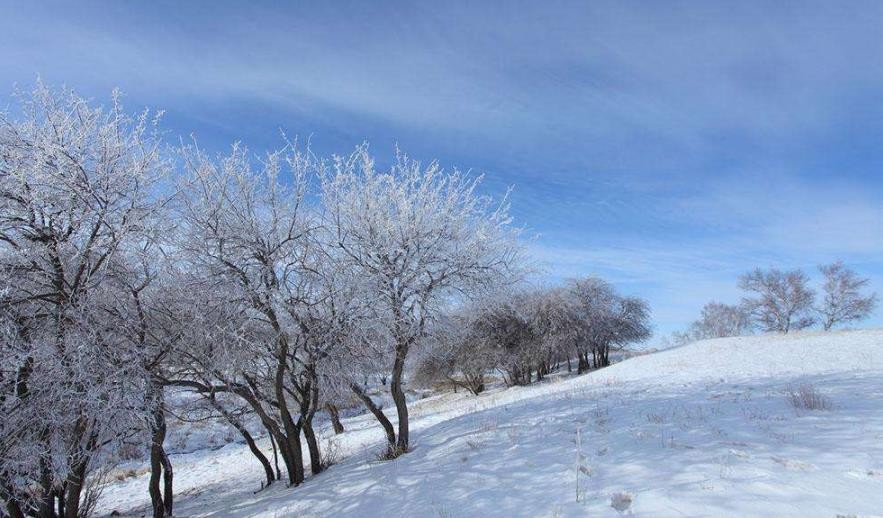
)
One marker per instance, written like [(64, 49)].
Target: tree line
[(782, 301), (531, 333)]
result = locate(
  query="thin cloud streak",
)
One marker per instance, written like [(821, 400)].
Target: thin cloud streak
[(667, 147)]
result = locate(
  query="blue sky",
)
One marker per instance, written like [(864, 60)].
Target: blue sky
[(667, 146)]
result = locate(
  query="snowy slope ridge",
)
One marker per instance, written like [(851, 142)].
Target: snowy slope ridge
[(702, 430)]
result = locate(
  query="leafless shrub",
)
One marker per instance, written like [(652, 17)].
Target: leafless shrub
[(391, 453), (330, 455), (806, 397), (93, 488)]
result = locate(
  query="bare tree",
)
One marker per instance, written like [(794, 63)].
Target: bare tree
[(605, 320), (419, 235), (719, 320), (843, 301), (456, 353), (783, 301), (505, 326)]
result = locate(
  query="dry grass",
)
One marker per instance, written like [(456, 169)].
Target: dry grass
[(330, 454), (807, 397)]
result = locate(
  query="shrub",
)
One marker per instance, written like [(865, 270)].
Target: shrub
[(806, 397)]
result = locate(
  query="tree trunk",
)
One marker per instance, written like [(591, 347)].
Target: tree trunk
[(398, 396), (292, 457), (74, 488), (156, 463), (249, 440), (275, 455), (153, 484), (268, 469), (335, 418), (46, 506), (295, 464), (313, 447), (583, 362), (378, 414), (13, 508), (168, 478), (308, 412), (288, 440)]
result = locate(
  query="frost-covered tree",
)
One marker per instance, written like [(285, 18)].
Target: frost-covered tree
[(552, 318), (456, 353), (146, 317), (247, 234), (419, 235), (505, 326), (605, 320), (843, 300), (719, 320), (76, 198), (529, 333), (782, 301)]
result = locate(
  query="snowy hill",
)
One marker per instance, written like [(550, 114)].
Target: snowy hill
[(707, 429)]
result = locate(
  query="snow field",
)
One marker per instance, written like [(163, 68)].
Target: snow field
[(706, 429)]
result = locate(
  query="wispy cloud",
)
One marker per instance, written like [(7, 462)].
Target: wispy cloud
[(668, 147)]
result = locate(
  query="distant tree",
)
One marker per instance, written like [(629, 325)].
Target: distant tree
[(843, 301), (506, 327), (606, 320), (719, 320), (457, 354), (783, 301)]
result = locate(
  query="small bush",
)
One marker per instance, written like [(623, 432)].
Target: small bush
[(330, 454), (391, 453), (806, 397), (621, 501)]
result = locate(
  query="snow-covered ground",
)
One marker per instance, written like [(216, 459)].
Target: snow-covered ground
[(702, 430)]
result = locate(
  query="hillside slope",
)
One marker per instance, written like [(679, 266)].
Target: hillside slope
[(702, 430)]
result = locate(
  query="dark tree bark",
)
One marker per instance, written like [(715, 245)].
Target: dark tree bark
[(313, 447), (253, 447), (309, 393), (74, 488), (287, 436), (168, 482), (161, 500), (275, 455), (46, 507), (14, 509), (156, 463), (249, 440), (378, 414), (398, 396), (334, 413)]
